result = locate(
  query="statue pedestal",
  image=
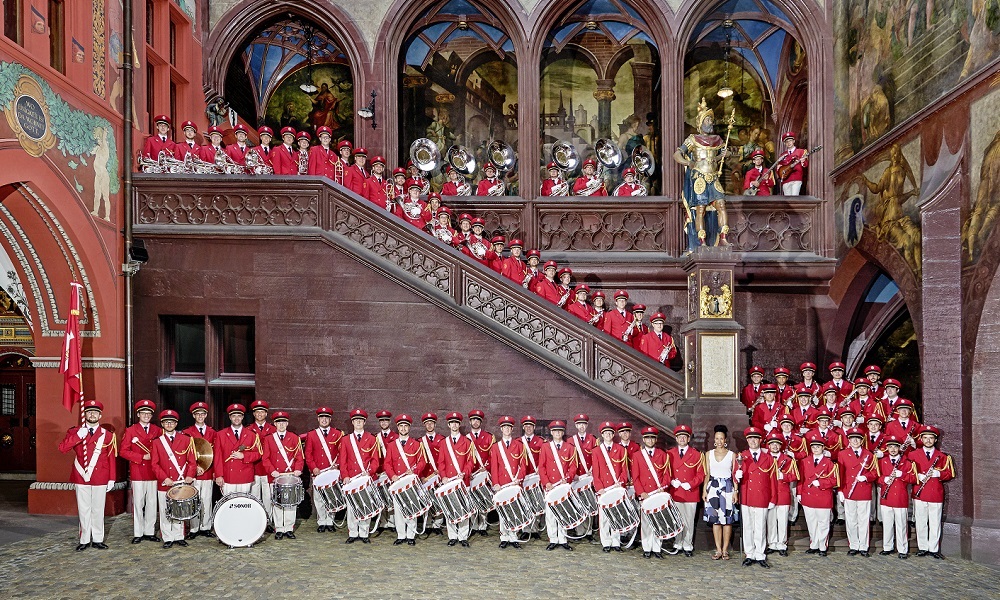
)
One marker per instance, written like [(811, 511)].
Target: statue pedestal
[(711, 343)]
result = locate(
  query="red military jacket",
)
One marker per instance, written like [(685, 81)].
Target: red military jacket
[(851, 465), (432, 451), (285, 160), (322, 161), (867, 409), (482, 441), (449, 188), (182, 449), (182, 149), (514, 269), (689, 468), (483, 188), (637, 332), (921, 465), (548, 184), (239, 155), (897, 428), (873, 445), (749, 395), (834, 440), (763, 186), (355, 179), (263, 432), (208, 152), (898, 495), (316, 456), (580, 184), (547, 289), (411, 460), (209, 436), (828, 476), (813, 387), (606, 475), (615, 323), (154, 145), (626, 189), (461, 464), (843, 390), (136, 443), (534, 445), (785, 394), (786, 472), (88, 470), (646, 481), (804, 416), (516, 458), (548, 464), (235, 470), (375, 193), (368, 451), (788, 157), (582, 311), (653, 345), (766, 417), (384, 437), (585, 450), (759, 485), (631, 448), (796, 444), (263, 153), (293, 458)]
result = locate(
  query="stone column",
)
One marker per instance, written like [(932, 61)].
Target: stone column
[(605, 95)]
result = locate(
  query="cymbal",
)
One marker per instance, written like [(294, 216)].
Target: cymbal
[(203, 453)]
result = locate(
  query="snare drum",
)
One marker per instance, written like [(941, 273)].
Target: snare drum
[(619, 509), (406, 491), (560, 502), (480, 492), (454, 500), (382, 484), (427, 491), (328, 485), (663, 515), (584, 496), (534, 495), (512, 507), (240, 520), (183, 502), (287, 491), (363, 497)]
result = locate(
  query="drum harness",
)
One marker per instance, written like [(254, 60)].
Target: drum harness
[(583, 461), (611, 469)]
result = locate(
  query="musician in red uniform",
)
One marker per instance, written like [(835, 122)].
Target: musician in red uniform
[(609, 471), (285, 158), (688, 474), (630, 186), (902, 424), (808, 383), (456, 184), (161, 142), (616, 321), (557, 464), (785, 392), (873, 373), (532, 442), (588, 184), (930, 469), (579, 307), (508, 465), (403, 456), (758, 177), (637, 329), (173, 462), (344, 150), (238, 151), (190, 144), (892, 398), (214, 147), (356, 175), (791, 184), (236, 452), (323, 158), (555, 185), (598, 301), (804, 413), (202, 523), (322, 454), (283, 455), (786, 474), (859, 470), (431, 443), (843, 386), (302, 140), (262, 152), (358, 458), (894, 498), (767, 412), (651, 473), (534, 258), (875, 439), (820, 477), (94, 451), (261, 488), (137, 449), (375, 188), (456, 461), (474, 244), (490, 184), (751, 391), (565, 278), (864, 405), (482, 442), (494, 256), (754, 471), (546, 287), (514, 267), (399, 189)]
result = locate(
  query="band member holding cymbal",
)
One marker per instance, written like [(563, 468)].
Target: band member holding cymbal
[(202, 523)]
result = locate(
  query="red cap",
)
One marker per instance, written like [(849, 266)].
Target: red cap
[(756, 369), (653, 431), (893, 439), (378, 160), (241, 127), (264, 129), (823, 413), (169, 415), (235, 408), (873, 369), (285, 130), (846, 411), (931, 430), (828, 387), (434, 196), (361, 150), (657, 316), (788, 134), (527, 419), (553, 264), (279, 415), (628, 171), (875, 419), (477, 414), (516, 243), (429, 417), (903, 403), (786, 417), (383, 414), (837, 365), (454, 417), (607, 426), (359, 413), (534, 253), (162, 119), (782, 371), (413, 183), (344, 144), (775, 436), (625, 426), (465, 217), (685, 429), (397, 171), (324, 411), (814, 438), (324, 129), (854, 432), (756, 153), (581, 418), (506, 420), (639, 308), (807, 366), (769, 387), (582, 287), (621, 294), (560, 425), (804, 392), (489, 165), (93, 405), (498, 239), (590, 162), (478, 221), (142, 405), (751, 432), (552, 165), (894, 383), (862, 382), (189, 124), (304, 135), (444, 210), (404, 418), (199, 406), (258, 404), (564, 270), (214, 129)]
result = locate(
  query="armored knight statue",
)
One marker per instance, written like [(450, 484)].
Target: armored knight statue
[(702, 154)]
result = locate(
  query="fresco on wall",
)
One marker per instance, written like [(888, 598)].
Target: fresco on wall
[(100, 48), (894, 58), (984, 174), (331, 105)]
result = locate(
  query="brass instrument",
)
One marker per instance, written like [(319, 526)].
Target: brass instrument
[(597, 317), (241, 448), (390, 195), (303, 162), (565, 156), (527, 279), (203, 454), (565, 297), (338, 171), (628, 332), (666, 351), (609, 156), (425, 154), (256, 166), (504, 159), (464, 163), (644, 165)]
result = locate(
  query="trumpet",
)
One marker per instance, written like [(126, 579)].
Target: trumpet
[(565, 297), (597, 317), (666, 352), (390, 195), (338, 171), (527, 279), (628, 332), (256, 166)]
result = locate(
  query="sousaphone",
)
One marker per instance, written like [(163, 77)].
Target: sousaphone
[(425, 154)]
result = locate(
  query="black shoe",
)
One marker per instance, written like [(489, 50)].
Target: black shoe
[(618, 549), (607, 548), (647, 554), (181, 543), (536, 536), (904, 556), (207, 533), (688, 553), (279, 535), (852, 552), (365, 540), (399, 542), (568, 547), (191, 535), (515, 545), (551, 546), (270, 528), (885, 553), (452, 542), (136, 540), (483, 532), (812, 551), (822, 552), (590, 537), (350, 540), (99, 545), (411, 542), (658, 555), (465, 543), (768, 551), (504, 544), (153, 538), (764, 563), (748, 561), (81, 547), (782, 552), (168, 544), (937, 555), (865, 553), (922, 553), (289, 535)]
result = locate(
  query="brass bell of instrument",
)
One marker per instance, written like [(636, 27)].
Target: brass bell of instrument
[(425, 154), (462, 160), (565, 156), (608, 153)]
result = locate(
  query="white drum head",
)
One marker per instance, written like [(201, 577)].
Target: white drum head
[(558, 494), (583, 481), (402, 483), (480, 479), (532, 480), (240, 520), (448, 488), (326, 478), (611, 497), (506, 495), (357, 484), (656, 502)]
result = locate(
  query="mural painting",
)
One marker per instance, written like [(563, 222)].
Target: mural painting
[(984, 174), (331, 105)]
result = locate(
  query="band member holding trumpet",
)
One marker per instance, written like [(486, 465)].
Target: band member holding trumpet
[(514, 267), (323, 158), (637, 328), (609, 471), (358, 458), (859, 470), (322, 453), (482, 443), (356, 175), (236, 451), (456, 461), (378, 188), (398, 188), (94, 452), (557, 464), (508, 466), (820, 477), (173, 462), (490, 184), (161, 141), (555, 185), (896, 472), (284, 158), (589, 183), (658, 344), (617, 321), (650, 474), (631, 186), (930, 468), (403, 456), (214, 146), (137, 444), (344, 151), (202, 523)]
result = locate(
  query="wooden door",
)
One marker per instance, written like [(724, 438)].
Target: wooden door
[(17, 420)]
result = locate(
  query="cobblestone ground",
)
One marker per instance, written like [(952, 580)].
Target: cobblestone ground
[(322, 566)]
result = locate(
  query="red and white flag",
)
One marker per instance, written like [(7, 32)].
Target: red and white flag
[(71, 364)]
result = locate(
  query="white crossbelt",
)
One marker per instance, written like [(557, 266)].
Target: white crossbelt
[(506, 462), (357, 455), (531, 456), (649, 463), (92, 463), (555, 453), (607, 461), (325, 445), (399, 446), (281, 449), (170, 455)]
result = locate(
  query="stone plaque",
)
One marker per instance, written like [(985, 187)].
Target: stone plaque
[(28, 116), (718, 364)]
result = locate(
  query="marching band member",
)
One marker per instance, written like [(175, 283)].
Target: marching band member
[(399, 189), (236, 452), (657, 344), (599, 301), (375, 189), (202, 523), (358, 458), (494, 256), (579, 307), (160, 142), (514, 267), (261, 488), (751, 392), (638, 329), (757, 177), (546, 286), (650, 474), (859, 470), (565, 276), (210, 151), (902, 424), (588, 184), (384, 436), (490, 185), (892, 398), (791, 184), (431, 443), (344, 151), (585, 444), (190, 144), (285, 158), (832, 441), (403, 456), (755, 474), (864, 405), (93, 474), (875, 440), (303, 139), (442, 229), (137, 444), (786, 393), (410, 208), (629, 187), (819, 478), (263, 150), (808, 371), (456, 462), (322, 454), (557, 464), (482, 442), (829, 402), (768, 410), (173, 462), (534, 258), (794, 446), (416, 174), (238, 151), (282, 455), (533, 449), (930, 468), (323, 158), (894, 499), (508, 466), (688, 469), (609, 471), (554, 185), (617, 321), (719, 492), (473, 244), (804, 413), (432, 209), (873, 373), (456, 184), (786, 473), (843, 386), (355, 176)]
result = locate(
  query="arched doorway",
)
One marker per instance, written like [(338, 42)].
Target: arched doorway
[(17, 408)]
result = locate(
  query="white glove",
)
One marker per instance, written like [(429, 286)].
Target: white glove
[(837, 423), (888, 480), (768, 427), (685, 486), (935, 473), (770, 505), (81, 433), (861, 478), (675, 483), (921, 477), (739, 475), (803, 430), (815, 483), (840, 496), (879, 454), (826, 453), (897, 473), (781, 476), (111, 484)]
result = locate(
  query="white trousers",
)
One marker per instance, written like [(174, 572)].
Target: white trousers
[(458, 531), (170, 530), (928, 519), (507, 534), (554, 529), (203, 520), (90, 506), (685, 540), (895, 528), (283, 518), (261, 490), (754, 532), (235, 488), (323, 515), (143, 508), (406, 529), (357, 527), (607, 538), (650, 541), (856, 517), (478, 521), (777, 527), (791, 188), (793, 512), (818, 523)]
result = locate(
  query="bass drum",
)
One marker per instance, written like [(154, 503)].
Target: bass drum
[(240, 520)]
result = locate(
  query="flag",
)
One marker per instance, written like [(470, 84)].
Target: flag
[(71, 363)]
